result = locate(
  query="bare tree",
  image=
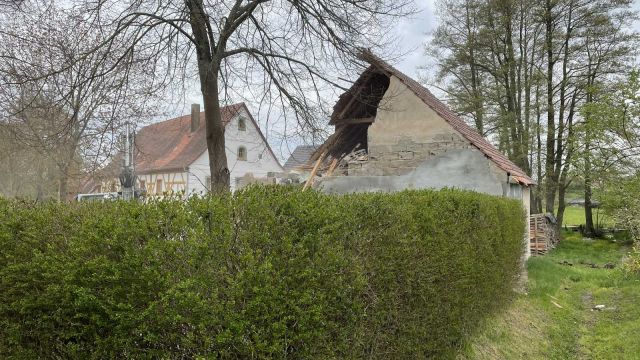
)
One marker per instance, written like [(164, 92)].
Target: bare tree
[(288, 48), (55, 95)]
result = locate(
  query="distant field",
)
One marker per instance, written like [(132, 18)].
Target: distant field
[(574, 215)]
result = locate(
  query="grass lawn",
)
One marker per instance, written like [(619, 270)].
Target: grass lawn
[(555, 319)]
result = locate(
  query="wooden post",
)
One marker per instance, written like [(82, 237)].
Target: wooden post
[(332, 167), (313, 172)]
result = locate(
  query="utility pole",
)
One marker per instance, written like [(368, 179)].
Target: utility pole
[(128, 175)]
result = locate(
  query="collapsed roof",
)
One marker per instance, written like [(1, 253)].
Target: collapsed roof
[(356, 110)]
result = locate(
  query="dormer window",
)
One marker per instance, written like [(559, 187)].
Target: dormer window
[(242, 124), (242, 153)]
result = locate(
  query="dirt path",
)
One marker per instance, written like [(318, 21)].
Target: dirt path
[(556, 319)]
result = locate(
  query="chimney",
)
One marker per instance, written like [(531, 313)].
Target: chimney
[(195, 117)]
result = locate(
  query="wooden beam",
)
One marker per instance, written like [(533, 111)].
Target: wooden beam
[(354, 97), (367, 120), (313, 172), (332, 167)]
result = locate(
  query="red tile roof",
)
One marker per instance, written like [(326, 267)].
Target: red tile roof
[(170, 145), (454, 120)]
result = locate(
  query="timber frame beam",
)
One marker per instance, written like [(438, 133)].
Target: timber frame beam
[(366, 120)]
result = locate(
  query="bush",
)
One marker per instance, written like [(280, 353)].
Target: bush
[(270, 272), (626, 212)]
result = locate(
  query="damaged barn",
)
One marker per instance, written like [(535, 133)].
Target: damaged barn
[(391, 134)]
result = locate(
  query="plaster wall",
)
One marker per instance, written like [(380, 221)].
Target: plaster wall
[(457, 168), (400, 113), (259, 160)]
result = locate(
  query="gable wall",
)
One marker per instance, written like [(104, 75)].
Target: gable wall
[(259, 161), (411, 147), (406, 132)]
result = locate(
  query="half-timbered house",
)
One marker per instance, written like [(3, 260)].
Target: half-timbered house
[(171, 156)]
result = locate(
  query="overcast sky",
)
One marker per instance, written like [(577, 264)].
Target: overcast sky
[(414, 33)]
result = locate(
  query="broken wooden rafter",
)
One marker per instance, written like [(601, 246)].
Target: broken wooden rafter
[(332, 167), (355, 96), (313, 172)]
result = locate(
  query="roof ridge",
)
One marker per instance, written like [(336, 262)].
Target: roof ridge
[(239, 104)]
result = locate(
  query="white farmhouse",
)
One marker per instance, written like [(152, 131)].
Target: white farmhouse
[(171, 156)]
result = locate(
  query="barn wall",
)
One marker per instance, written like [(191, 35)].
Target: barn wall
[(406, 133), (411, 147), (460, 168), (259, 161)]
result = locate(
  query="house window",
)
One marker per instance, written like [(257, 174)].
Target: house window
[(159, 186), (242, 153), (242, 124)]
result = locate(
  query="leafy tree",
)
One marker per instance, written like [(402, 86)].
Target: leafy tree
[(521, 70), (608, 144)]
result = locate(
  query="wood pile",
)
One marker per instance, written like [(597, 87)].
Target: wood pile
[(543, 234)]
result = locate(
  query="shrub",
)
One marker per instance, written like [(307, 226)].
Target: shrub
[(626, 211), (270, 272)]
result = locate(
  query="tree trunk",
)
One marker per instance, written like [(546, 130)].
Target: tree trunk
[(589, 229), (478, 106), (550, 181), (561, 204), (563, 182), (588, 213), (538, 189), (63, 188), (220, 179), (208, 71), (63, 182)]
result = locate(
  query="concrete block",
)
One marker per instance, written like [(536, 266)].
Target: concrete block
[(374, 171), (397, 148)]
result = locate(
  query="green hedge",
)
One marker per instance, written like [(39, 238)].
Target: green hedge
[(271, 272)]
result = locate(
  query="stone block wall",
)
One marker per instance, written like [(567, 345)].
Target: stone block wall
[(404, 156)]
